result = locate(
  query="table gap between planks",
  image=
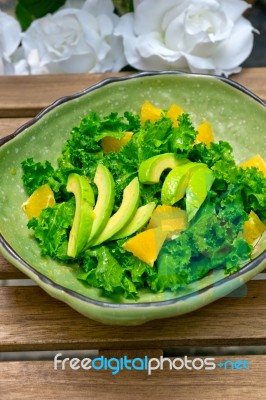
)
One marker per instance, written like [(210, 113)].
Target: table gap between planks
[(32, 321)]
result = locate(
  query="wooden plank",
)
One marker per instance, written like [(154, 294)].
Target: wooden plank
[(8, 271), (60, 85), (253, 79), (27, 95), (9, 125), (25, 379), (31, 320)]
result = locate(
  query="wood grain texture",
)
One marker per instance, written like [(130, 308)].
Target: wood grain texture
[(253, 79), (30, 379), (25, 96), (40, 90), (53, 87), (8, 271), (32, 320), (9, 125)]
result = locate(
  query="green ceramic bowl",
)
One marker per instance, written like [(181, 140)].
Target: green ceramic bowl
[(236, 115)]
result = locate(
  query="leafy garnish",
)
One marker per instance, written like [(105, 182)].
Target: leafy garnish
[(230, 179), (124, 277), (212, 241), (52, 229), (183, 137), (214, 237)]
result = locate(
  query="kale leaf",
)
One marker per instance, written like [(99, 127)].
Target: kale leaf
[(230, 179), (214, 238), (182, 137), (115, 270), (52, 228), (211, 241)]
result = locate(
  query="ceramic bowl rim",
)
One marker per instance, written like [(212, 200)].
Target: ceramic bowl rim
[(115, 79), (9, 249)]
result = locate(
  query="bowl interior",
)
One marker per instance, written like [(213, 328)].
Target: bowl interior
[(235, 116)]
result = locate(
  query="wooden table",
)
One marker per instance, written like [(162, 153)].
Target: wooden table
[(32, 321)]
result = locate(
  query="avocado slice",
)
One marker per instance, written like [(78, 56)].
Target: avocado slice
[(123, 215), (83, 219), (198, 186), (141, 217), (151, 169), (175, 183), (104, 181)]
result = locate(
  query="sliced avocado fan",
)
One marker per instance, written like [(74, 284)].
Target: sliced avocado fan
[(192, 179), (83, 219), (123, 215), (197, 189), (105, 200), (150, 170), (141, 217), (175, 183)]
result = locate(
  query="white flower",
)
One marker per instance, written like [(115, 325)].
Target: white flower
[(205, 36), (10, 32), (75, 40)]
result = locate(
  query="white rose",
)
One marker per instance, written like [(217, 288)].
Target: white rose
[(75, 40), (205, 36), (10, 32)]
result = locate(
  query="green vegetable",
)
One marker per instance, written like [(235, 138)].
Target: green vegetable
[(231, 179), (150, 170), (210, 242), (102, 270), (140, 219), (183, 137), (105, 200), (83, 219), (36, 174), (197, 190), (214, 236), (52, 229), (123, 215)]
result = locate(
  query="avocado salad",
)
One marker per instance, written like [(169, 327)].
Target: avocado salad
[(145, 200)]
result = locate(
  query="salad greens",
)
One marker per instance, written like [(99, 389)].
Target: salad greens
[(214, 237)]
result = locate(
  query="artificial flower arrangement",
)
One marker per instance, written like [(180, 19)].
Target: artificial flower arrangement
[(75, 36)]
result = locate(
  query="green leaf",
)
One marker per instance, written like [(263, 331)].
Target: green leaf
[(35, 174), (28, 10), (231, 180), (211, 241), (52, 229), (123, 6), (213, 238), (106, 273), (182, 137)]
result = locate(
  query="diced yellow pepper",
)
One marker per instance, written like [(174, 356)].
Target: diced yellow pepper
[(111, 144), (253, 228), (150, 113), (41, 198), (205, 134), (170, 219), (174, 112), (256, 161), (146, 245)]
